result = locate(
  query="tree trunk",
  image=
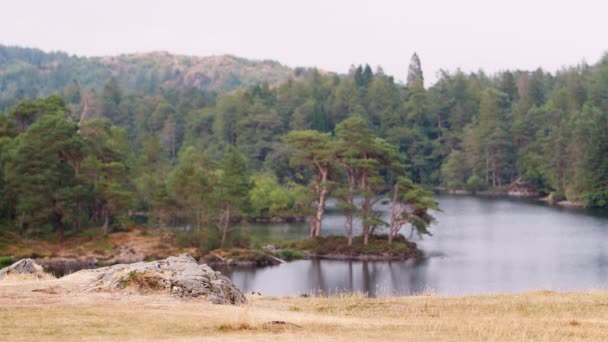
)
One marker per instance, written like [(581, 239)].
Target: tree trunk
[(365, 209), (225, 228), (493, 173), (349, 228), (321, 206), (198, 221), (106, 220), (78, 223), (224, 234), (393, 222), (487, 169), (313, 225), (351, 203), (60, 227)]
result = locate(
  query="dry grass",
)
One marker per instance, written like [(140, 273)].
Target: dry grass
[(50, 310)]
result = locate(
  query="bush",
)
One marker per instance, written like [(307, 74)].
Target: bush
[(475, 184), (597, 199), (191, 239), (206, 240), (289, 254), (557, 196), (239, 239)]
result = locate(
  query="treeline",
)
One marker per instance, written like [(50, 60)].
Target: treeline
[(471, 131), (164, 153), (60, 174)]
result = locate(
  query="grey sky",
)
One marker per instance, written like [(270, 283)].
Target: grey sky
[(332, 35)]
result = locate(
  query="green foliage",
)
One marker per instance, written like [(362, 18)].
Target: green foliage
[(414, 73), (5, 261), (474, 184), (232, 198), (454, 171), (377, 245), (289, 254), (270, 199), (598, 198), (411, 204)]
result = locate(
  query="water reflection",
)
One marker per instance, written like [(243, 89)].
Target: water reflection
[(480, 245), (331, 277)]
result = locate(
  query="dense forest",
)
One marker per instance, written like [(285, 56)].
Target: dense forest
[(102, 150)]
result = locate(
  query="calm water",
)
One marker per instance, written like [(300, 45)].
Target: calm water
[(480, 245)]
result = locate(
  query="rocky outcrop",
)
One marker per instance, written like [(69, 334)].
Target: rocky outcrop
[(180, 276), (520, 188), (27, 268)]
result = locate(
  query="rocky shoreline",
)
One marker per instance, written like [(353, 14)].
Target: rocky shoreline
[(241, 258)]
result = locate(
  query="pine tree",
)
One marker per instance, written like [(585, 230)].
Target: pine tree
[(410, 205), (314, 150), (43, 172), (414, 73), (232, 193)]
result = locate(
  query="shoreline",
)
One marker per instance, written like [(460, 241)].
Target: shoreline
[(514, 194), (245, 257)]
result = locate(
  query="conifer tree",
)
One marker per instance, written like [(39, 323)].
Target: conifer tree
[(414, 72)]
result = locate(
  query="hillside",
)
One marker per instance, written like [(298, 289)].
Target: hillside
[(30, 73)]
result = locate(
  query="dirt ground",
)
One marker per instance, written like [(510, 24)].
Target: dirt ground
[(51, 310)]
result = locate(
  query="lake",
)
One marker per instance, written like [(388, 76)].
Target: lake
[(479, 245)]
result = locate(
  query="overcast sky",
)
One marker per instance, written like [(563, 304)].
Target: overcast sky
[(332, 35)]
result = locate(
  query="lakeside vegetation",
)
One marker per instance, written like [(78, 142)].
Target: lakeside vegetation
[(107, 154)]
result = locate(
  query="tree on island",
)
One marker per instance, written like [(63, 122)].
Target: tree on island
[(314, 150), (410, 205)]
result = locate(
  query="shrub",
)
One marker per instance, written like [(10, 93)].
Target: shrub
[(289, 254), (475, 184)]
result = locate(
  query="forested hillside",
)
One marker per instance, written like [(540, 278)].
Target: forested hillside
[(182, 154), (30, 73)]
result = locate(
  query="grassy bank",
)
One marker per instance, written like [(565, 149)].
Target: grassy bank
[(538, 316)]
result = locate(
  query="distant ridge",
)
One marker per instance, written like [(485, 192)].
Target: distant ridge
[(29, 72)]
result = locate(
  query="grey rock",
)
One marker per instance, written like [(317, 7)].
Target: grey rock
[(181, 276), (24, 266)]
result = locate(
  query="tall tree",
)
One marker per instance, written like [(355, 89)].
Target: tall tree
[(42, 172), (314, 150), (414, 72), (232, 194), (106, 169), (191, 183)]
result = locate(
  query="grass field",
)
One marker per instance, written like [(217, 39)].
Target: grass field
[(50, 310)]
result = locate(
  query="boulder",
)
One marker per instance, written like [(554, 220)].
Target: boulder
[(519, 188), (26, 267), (180, 276)]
